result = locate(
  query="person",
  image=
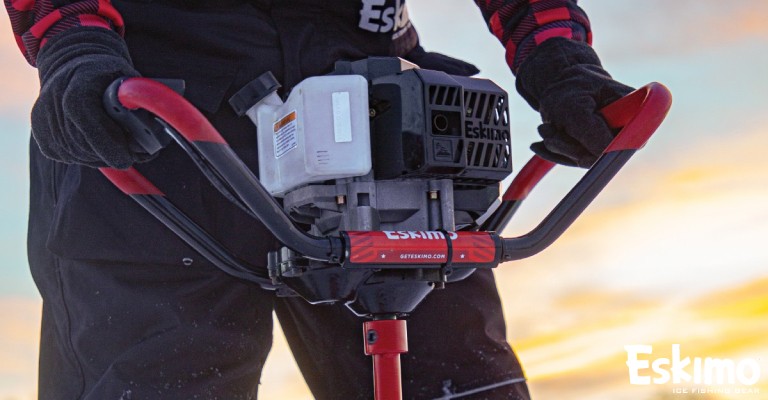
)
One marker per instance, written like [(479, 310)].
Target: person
[(131, 312)]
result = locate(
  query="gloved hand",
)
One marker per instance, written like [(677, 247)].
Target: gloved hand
[(440, 62), (68, 119), (564, 80)]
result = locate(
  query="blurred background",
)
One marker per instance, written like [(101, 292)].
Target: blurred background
[(675, 251)]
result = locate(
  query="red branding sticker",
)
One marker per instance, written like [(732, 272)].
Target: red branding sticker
[(398, 247), (420, 247)]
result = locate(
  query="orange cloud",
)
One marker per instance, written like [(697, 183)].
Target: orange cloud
[(19, 336), (746, 302)]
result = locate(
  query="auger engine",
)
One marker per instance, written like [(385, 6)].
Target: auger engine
[(379, 145)]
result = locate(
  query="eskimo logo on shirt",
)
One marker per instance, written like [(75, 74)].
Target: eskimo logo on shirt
[(384, 16)]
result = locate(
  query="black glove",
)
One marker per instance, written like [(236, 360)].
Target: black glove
[(440, 62), (68, 119), (564, 80)]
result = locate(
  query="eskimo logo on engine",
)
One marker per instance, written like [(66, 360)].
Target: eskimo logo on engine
[(480, 131)]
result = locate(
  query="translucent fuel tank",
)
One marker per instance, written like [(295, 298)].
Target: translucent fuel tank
[(320, 132)]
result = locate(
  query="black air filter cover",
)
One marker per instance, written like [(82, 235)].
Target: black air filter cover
[(428, 124)]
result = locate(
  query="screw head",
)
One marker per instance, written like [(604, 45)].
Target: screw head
[(372, 336)]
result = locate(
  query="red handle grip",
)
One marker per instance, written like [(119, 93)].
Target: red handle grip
[(161, 100), (638, 114)]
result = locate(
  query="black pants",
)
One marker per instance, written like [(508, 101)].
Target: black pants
[(116, 331), (130, 312)]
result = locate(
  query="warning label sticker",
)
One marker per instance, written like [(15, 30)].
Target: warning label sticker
[(285, 134)]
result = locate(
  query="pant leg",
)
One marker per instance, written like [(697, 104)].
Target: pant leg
[(113, 330), (456, 339), (119, 331)]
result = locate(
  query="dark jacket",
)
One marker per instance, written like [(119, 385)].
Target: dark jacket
[(76, 213)]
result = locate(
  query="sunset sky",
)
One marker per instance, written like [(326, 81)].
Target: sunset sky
[(675, 251)]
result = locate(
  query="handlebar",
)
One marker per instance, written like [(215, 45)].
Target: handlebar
[(638, 114)]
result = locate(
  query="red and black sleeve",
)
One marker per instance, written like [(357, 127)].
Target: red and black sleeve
[(35, 21), (520, 25)]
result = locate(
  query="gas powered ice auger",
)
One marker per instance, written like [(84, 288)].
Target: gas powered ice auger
[(386, 173)]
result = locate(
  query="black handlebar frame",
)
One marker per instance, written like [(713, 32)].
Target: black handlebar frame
[(638, 115)]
